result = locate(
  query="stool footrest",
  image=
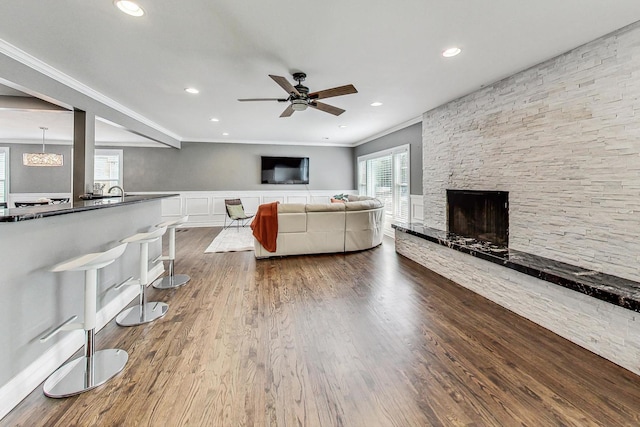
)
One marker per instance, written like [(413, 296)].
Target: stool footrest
[(64, 326), (161, 258)]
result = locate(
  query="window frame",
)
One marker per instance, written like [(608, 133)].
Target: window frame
[(110, 152), (4, 191), (365, 179)]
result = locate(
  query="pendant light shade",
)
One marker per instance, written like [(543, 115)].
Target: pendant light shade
[(42, 159)]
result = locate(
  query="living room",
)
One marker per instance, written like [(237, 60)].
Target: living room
[(559, 137)]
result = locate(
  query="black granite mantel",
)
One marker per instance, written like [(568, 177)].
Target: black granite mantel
[(613, 289), (43, 211)]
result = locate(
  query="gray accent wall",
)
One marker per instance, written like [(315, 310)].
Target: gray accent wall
[(409, 135), (29, 179), (200, 166)]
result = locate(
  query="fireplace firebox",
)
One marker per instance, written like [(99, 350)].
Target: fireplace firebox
[(482, 215)]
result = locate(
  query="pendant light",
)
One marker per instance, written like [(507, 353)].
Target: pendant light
[(42, 159)]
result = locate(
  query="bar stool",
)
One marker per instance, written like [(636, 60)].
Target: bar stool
[(144, 312), (172, 280), (95, 367)]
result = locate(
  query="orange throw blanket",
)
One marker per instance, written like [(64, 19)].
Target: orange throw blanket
[(265, 225)]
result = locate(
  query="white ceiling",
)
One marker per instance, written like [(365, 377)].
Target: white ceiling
[(390, 51)]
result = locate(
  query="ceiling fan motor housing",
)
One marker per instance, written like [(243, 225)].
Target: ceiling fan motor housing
[(302, 89)]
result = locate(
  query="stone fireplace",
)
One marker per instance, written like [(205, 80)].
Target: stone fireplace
[(482, 215), (561, 137)]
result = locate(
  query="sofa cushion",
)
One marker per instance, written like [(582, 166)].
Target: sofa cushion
[(357, 198), (291, 208), (326, 207), (363, 205)]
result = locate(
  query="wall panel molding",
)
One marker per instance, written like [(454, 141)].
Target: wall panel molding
[(206, 208)]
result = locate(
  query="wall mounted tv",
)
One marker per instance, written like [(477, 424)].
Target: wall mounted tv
[(285, 170)]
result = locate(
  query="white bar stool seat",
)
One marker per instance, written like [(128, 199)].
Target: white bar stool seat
[(95, 367), (172, 280), (144, 312)]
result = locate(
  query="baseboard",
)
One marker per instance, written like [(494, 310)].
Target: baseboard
[(20, 386)]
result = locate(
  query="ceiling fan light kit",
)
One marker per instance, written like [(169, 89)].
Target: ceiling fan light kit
[(300, 98), (298, 104)]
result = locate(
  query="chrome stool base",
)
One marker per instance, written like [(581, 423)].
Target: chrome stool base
[(170, 282), (85, 373), (136, 315)]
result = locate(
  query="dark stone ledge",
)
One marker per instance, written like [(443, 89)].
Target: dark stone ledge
[(43, 211), (606, 287)]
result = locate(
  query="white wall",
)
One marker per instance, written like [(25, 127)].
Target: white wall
[(563, 138)]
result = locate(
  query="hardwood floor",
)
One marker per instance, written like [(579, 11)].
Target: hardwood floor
[(363, 339)]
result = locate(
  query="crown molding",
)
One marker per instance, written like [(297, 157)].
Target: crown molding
[(34, 63), (390, 131), (99, 144), (261, 142)]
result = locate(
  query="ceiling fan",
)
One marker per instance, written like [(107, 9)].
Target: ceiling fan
[(300, 98)]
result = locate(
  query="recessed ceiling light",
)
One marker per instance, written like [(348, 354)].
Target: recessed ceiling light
[(325, 137), (342, 126), (452, 51), (129, 7), (192, 90), (225, 134), (376, 104), (213, 119)]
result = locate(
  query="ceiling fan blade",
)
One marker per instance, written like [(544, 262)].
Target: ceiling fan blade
[(326, 108), (287, 112), (336, 91), (263, 99), (284, 84)]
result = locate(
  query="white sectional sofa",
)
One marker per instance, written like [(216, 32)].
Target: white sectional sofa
[(327, 228)]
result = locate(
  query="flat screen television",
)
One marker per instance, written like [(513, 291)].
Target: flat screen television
[(285, 170)]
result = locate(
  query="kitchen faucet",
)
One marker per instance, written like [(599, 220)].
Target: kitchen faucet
[(117, 187)]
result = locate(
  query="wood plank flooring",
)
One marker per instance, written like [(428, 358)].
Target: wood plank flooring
[(363, 339)]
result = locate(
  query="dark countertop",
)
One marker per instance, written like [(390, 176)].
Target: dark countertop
[(35, 212), (613, 289)]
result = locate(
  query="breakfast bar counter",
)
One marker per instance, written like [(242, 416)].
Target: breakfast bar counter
[(35, 300)]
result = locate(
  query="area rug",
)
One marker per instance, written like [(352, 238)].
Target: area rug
[(232, 240)]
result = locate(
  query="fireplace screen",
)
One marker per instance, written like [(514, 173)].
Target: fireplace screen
[(482, 215)]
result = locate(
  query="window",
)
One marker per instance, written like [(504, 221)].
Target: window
[(385, 175), (107, 168), (4, 174)]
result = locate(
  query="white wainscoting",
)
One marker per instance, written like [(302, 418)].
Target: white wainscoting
[(206, 208), (417, 209)]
